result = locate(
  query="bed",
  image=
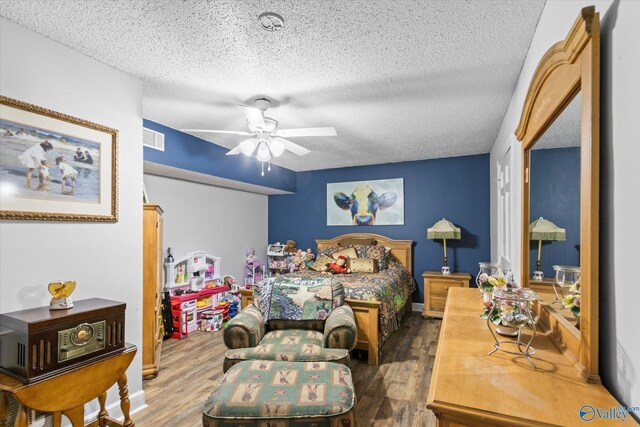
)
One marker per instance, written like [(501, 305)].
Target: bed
[(379, 300)]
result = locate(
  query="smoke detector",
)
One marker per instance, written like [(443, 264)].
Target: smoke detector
[(271, 22)]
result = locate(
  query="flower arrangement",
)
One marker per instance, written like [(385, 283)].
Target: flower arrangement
[(572, 300), (488, 283)]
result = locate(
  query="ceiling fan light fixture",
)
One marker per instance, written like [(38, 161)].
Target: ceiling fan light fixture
[(263, 154), (276, 147), (248, 146)]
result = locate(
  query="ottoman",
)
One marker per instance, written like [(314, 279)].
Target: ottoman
[(278, 393)]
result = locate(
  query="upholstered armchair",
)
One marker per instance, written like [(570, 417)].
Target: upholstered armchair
[(305, 333)]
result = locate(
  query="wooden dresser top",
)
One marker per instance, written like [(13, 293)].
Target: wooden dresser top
[(503, 389)]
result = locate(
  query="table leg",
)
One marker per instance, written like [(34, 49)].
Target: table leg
[(125, 405), (4, 408), (76, 416), (102, 399), (22, 419), (57, 419)]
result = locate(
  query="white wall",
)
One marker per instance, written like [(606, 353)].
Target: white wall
[(104, 259), (620, 209), (619, 202), (220, 221)]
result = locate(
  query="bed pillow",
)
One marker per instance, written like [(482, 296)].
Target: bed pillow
[(321, 263), (345, 243), (329, 250), (377, 252), (363, 265), (347, 253)]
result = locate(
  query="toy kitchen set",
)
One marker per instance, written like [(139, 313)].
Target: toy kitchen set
[(199, 296)]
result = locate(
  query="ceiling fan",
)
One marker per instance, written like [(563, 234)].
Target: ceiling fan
[(267, 140)]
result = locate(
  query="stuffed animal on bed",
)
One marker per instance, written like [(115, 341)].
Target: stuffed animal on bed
[(339, 266), (308, 258), (290, 247), (298, 260)]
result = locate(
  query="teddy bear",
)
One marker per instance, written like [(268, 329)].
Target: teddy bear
[(298, 260), (290, 247)]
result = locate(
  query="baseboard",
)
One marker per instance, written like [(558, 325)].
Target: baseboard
[(417, 306), (137, 404)]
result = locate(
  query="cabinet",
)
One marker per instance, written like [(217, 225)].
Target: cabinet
[(436, 287), (152, 290)]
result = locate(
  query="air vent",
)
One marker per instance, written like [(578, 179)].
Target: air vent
[(22, 354), (152, 139)]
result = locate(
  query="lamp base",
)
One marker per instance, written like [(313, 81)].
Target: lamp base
[(538, 275), (446, 271)]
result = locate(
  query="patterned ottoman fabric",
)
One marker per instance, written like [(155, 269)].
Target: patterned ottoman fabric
[(275, 393), (288, 345)]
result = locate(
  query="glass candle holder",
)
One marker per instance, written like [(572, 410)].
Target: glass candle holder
[(566, 276), (513, 306)]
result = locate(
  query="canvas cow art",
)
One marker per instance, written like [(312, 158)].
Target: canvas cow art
[(363, 203)]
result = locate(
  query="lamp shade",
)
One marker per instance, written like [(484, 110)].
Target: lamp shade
[(443, 229), (543, 229)]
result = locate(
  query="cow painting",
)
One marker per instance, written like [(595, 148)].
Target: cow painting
[(363, 203)]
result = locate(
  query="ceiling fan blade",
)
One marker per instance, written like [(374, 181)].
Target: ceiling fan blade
[(254, 116), (290, 133), (231, 132), (291, 146), (234, 151)]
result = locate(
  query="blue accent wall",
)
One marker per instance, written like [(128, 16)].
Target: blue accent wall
[(555, 195), (190, 153), (456, 188)]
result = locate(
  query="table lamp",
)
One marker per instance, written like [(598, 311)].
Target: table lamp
[(444, 230), (543, 229)]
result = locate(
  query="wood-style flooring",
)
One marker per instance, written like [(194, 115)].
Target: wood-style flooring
[(391, 394)]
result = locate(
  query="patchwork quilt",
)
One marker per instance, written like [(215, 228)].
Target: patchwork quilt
[(392, 286), (296, 298)]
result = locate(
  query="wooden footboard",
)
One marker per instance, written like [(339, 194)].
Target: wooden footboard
[(366, 314)]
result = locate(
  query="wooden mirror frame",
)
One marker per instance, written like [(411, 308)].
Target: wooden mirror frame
[(568, 67)]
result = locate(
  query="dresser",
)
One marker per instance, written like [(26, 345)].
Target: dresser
[(152, 291), (470, 388), (436, 287)]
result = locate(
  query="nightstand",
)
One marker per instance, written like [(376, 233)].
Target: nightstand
[(436, 286)]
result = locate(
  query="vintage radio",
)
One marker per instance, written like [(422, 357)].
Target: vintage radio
[(38, 342)]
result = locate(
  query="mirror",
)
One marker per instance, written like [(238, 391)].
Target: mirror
[(562, 102), (554, 185)]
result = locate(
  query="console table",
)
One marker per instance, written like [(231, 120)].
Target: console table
[(67, 392), (470, 388)]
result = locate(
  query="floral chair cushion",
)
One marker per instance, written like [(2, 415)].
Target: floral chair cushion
[(288, 345)]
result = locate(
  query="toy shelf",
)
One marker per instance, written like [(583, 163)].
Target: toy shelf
[(186, 309)]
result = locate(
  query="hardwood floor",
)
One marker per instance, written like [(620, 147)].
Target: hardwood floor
[(391, 394)]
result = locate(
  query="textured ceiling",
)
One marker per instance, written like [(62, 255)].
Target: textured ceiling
[(565, 129), (399, 80)]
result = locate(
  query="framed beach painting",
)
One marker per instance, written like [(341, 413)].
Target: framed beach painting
[(56, 167), (377, 202)]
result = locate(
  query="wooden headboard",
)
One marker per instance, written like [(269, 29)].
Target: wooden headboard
[(400, 249)]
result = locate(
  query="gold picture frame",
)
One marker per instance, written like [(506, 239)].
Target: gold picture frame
[(56, 167)]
